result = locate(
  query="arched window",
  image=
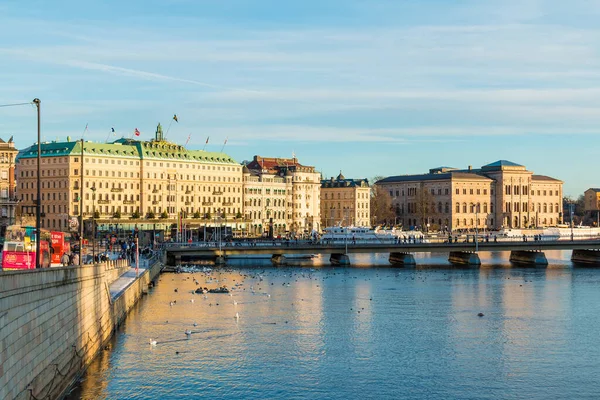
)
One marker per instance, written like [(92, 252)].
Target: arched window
[(471, 222), (545, 208), (457, 222), (440, 207), (465, 210), (485, 209), (447, 208), (457, 208), (551, 210)]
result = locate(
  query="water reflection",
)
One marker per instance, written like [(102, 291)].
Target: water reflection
[(379, 332)]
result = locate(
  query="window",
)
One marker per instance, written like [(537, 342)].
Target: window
[(457, 208), (457, 191), (471, 191)]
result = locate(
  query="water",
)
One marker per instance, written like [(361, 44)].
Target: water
[(375, 332)]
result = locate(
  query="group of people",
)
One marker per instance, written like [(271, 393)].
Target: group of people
[(69, 259)]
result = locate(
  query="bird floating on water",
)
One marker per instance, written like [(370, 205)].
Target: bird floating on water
[(237, 315), (152, 342), (188, 333)]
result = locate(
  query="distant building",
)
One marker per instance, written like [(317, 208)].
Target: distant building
[(8, 200), (281, 192), (500, 194), (345, 202), (592, 200)]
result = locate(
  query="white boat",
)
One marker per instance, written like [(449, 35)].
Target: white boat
[(579, 232), (356, 234)]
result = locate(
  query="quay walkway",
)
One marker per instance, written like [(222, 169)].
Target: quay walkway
[(460, 252)]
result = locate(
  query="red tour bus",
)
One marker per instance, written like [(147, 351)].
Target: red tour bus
[(19, 248)]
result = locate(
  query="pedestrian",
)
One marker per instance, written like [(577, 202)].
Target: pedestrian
[(64, 260), (75, 259)]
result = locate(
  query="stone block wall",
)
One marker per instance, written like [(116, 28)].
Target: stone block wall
[(54, 321)]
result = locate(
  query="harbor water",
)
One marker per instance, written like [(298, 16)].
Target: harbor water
[(312, 331)]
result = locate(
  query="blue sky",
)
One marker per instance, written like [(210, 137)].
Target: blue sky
[(370, 87)]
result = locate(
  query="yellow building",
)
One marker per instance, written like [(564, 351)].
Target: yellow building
[(282, 192), (345, 202), (128, 181), (501, 194), (8, 201), (592, 200)]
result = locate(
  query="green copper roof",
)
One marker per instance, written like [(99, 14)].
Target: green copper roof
[(128, 148)]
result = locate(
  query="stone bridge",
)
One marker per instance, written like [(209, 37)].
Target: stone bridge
[(527, 252)]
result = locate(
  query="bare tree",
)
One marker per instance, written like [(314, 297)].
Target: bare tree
[(382, 211), (425, 206)]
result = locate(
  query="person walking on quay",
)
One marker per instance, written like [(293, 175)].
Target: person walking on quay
[(64, 260), (75, 260)]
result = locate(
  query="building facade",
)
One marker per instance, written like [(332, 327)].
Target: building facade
[(498, 195), (282, 192), (8, 200), (345, 202), (127, 180), (591, 200)]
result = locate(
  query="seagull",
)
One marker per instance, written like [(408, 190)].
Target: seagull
[(188, 333), (171, 304), (152, 342), (191, 300), (235, 303), (195, 324)]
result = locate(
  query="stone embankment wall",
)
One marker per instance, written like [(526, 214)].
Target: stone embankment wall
[(54, 321)]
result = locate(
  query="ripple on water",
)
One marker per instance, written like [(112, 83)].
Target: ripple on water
[(361, 332)]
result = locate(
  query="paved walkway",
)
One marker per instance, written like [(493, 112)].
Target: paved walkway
[(124, 281)]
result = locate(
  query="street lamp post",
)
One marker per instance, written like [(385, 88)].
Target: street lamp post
[(93, 222), (571, 209), (38, 207), (476, 227)]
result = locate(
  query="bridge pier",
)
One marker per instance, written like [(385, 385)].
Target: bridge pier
[(403, 259), (339, 259), (278, 259), (464, 258), (530, 257), (589, 257), (219, 260)]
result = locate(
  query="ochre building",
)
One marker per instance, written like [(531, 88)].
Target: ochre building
[(345, 202), (502, 194), (127, 178), (281, 192)]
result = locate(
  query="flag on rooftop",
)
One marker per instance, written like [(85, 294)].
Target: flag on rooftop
[(175, 118), (137, 133), (207, 140)]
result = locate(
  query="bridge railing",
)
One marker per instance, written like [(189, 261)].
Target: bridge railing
[(423, 239)]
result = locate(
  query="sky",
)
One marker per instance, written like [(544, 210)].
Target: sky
[(366, 87)]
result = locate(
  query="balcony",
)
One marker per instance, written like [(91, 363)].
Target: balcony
[(103, 201), (228, 203), (128, 201), (187, 203), (155, 202), (155, 191), (116, 190), (188, 192), (207, 203), (217, 193)]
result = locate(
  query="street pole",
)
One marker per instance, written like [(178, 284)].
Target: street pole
[(81, 210), (476, 228), (38, 207), (93, 223), (571, 208)]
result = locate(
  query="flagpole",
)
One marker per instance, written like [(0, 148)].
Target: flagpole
[(168, 129), (205, 143), (224, 144)]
